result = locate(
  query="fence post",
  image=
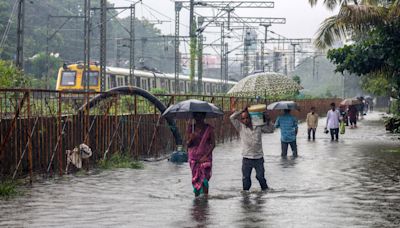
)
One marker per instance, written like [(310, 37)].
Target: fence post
[(60, 128), (30, 141)]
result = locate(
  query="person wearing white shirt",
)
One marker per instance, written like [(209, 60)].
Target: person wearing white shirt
[(332, 122)]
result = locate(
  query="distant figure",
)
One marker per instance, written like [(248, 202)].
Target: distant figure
[(312, 123), (289, 127), (353, 113), (252, 151), (332, 122), (344, 114), (200, 143)]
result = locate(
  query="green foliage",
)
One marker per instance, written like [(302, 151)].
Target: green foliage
[(11, 77), (158, 91), (392, 124), (377, 57), (297, 79), (120, 161), (8, 189)]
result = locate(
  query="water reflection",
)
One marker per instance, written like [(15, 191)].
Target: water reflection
[(289, 162), (200, 211), (252, 204)]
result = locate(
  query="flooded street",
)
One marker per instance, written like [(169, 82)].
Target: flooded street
[(350, 183)]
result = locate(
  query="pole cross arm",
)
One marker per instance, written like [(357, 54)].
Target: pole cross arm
[(229, 4), (290, 41), (245, 20)]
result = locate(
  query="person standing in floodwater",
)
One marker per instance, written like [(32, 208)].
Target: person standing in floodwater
[(289, 128), (312, 123), (252, 151), (332, 122), (200, 143)]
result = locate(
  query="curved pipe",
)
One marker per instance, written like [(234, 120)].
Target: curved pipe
[(131, 90)]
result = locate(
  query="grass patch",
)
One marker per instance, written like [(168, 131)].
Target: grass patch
[(396, 150), (120, 161), (8, 189)]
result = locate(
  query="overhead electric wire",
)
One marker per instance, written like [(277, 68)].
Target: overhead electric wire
[(7, 30)]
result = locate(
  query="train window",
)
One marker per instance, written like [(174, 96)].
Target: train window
[(173, 86), (68, 78), (181, 87), (138, 81), (93, 78), (208, 88), (144, 84), (120, 80), (153, 83), (162, 83)]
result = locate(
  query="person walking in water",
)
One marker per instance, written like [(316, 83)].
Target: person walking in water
[(252, 151), (200, 143), (332, 122), (312, 123), (353, 115), (289, 127)]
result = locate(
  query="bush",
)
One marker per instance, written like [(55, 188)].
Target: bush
[(120, 161), (8, 189), (392, 124)]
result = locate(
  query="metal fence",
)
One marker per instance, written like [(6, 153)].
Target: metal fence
[(38, 126)]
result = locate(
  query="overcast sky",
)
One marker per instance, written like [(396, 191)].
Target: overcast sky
[(302, 21)]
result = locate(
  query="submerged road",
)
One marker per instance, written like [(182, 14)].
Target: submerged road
[(350, 183)]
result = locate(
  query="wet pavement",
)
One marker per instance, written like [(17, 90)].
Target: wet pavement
[(350, 183)]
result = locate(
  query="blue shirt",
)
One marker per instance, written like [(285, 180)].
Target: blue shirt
[(288, 125)]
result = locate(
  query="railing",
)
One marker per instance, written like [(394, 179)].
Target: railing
[(38, 126)]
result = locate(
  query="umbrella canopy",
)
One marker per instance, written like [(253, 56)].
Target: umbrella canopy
[(350, 101), (264, 84), (282, 105), (185, 109)]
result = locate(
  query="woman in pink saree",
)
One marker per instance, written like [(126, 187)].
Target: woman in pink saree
[(201, 142)]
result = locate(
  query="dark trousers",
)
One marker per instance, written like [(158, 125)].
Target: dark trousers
[(334, 133), (311, 130), (285, 145), (247, 167)]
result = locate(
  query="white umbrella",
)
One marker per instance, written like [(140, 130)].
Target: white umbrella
[(264, 84)]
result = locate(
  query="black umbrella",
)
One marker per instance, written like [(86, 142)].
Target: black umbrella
[(282, 105), (185, 109)]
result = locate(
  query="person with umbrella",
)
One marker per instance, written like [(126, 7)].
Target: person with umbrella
[(252, 151), (200, 143), (200, 139)]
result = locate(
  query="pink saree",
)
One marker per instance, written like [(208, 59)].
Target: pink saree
[(201, 172)]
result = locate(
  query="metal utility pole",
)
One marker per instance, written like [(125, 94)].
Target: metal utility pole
[(86, 44), (226, 68), (103, 43), (222, 52), (178, 7), (264, 43), (294, 55), (19, 59), (132, 48), (200, 58)]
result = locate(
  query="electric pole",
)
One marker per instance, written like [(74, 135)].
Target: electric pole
[(103, 43), (86, 48), (19, 58)]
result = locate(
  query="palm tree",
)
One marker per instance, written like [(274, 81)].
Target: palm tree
[(355, 18)]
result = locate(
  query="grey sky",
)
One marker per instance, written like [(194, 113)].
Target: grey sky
[(302, 21)]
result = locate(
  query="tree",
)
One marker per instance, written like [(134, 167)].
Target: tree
[(354, 19), (377, 57), (297, 79), (11, 77)]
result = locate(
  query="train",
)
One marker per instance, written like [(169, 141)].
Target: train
[(70, 78)]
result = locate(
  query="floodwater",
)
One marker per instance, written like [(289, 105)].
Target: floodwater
[(350, 183)]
